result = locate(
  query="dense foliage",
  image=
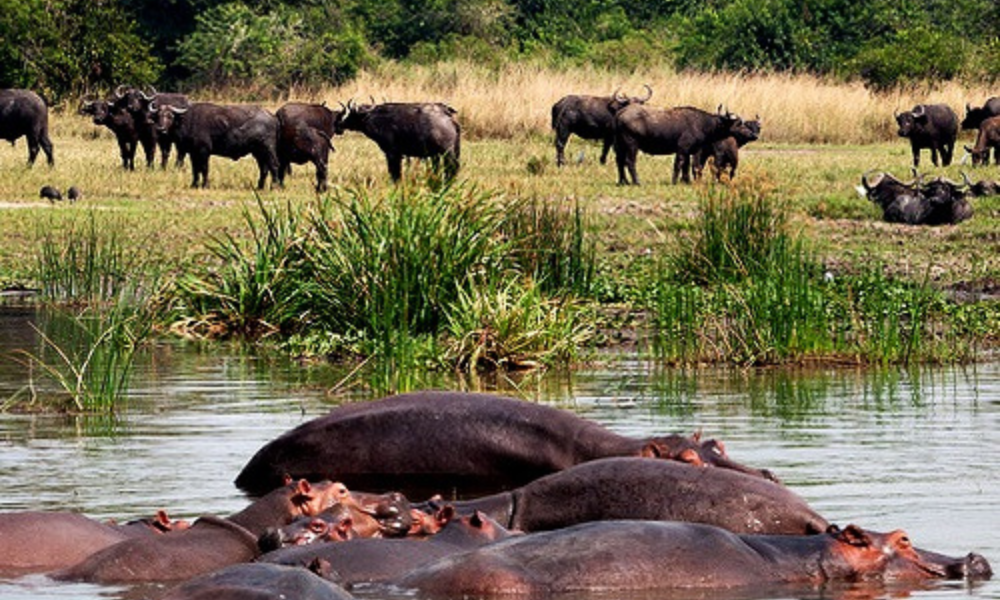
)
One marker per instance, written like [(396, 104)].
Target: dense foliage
[(74, 46)]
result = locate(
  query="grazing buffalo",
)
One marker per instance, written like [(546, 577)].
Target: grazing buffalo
[(655, 556), (725, 153), (377, 560), (422, 130), (204, 129), (974, 116), (987, 139), (591, 118), (209, 544), (257, 581), (933, 126), (939, 202), (683, 131), (655, 490), (120, 122), (23, 113), (426, 442), (305, 134)]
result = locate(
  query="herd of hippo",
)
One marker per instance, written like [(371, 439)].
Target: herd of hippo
[(515, 498)]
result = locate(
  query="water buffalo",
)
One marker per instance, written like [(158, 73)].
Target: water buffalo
[(425, 442), (591, 118), (423, 130), (23, 113), (933, 126), (120, 122), (158, 102), (656, 490), (210, 543), (683, 131), (987, 139), (939, 202), (725, 153), (644, 555), (204, 129), (305, 134), (257, 581), (974, 116)]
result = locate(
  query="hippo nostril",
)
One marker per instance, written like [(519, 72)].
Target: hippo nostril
[(769, 476)]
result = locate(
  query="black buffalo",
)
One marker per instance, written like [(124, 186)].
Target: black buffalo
[(987, 139), (974, 116), (725, 153), (591, 118), (144, 107), (938, 202), (305, 134), (933, 126), (683, 131), (24, 114), (204, 129), (121, 123), (408, 129)]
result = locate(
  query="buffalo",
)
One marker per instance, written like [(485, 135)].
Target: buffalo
[(425, 129), (939, 202), (204, 129), (120, 122), (974, 116), (683, 131), (23, 113), (933, 126), (144, 107), (725, 153), (591, 118), (305, 134), (987, 139)]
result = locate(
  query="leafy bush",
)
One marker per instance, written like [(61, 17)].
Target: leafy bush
[(910, 57)]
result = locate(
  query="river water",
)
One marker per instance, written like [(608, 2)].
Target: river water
[(916, 450)]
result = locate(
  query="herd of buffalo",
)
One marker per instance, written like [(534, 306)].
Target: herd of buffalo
[(518, 498), (300, 133)]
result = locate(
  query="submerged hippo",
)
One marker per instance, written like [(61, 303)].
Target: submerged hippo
[(647, 555), (254, 581), (377, 560), (209, 544), (423, 442), (658, 490)]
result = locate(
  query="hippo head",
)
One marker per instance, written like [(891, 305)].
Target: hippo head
[(333, 525), (693, 451), (892, 556)]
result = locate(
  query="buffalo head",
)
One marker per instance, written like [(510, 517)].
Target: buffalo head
[(619, 100)]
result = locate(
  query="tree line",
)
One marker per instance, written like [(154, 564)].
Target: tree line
[(73, 47)]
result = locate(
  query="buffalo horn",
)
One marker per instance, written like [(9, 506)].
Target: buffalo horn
[(153, 106), (177, 110), (965, 177), (649, 93), (870, 186), (918, 110), (119, 91)]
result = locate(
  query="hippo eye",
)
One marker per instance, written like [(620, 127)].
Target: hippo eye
[(317, 526)]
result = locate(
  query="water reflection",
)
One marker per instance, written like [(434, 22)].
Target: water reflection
[(885, 449)]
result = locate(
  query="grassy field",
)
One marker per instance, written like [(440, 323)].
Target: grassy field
[(817, 139)]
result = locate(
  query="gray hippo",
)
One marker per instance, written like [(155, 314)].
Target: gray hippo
[(256, 581)]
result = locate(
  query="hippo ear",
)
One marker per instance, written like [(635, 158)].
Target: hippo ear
[(854, 535), (287, 479), (477, 519), (691, 457), (652, 450), (344, 530), (444, 514)]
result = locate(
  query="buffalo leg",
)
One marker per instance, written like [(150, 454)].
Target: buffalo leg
[(164, 152), (562, 137), (451, 165), (947, 152), (199, 169), (395, 162), (604, 151), (916, 155)]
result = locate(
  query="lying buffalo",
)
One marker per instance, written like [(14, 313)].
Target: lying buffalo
[(421, 130), (683, 131), (305, 134), (591, 118), (987, 139), (23, 113), (974, 116), (643, 555), (938, 202), (425, 442), (204, 129), (933, 126)]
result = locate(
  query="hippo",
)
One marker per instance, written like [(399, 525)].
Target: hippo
[(422, 442), (209, 544), (659, 556), (257, 581), (378, 560), (332, 525), (39, 541), (656, 490)]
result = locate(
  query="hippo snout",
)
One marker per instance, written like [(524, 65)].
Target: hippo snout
[(768, 475), (974, 567)]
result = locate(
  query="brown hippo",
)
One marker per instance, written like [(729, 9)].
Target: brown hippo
[(38, 542), (423, 442), (658, 490), (209, 544), (332, 525), (377, 560), (647, 555), (257, 581)]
